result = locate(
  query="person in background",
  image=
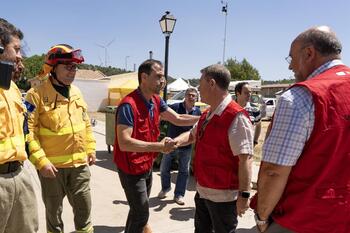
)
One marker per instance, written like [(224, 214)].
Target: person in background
[(243, 93), (183, 154)]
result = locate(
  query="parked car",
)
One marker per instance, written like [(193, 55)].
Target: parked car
[(270, 107)]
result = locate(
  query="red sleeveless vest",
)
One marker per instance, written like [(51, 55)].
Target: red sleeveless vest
[(144, 129), (317, 195), (214, 164)]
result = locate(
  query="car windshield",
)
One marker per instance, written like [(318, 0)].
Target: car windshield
[(179, 96)]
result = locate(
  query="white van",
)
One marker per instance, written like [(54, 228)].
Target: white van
[(270, 107)]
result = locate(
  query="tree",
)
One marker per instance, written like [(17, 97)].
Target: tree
[(242, 70), (33, 65)]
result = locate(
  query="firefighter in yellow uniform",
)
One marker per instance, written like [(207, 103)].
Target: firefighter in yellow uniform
[(61, 142), (18, 206)]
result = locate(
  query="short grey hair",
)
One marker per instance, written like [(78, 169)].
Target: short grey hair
[(323, 39), (191, 89), (219, 73)]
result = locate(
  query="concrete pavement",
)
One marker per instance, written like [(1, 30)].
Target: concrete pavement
[(110, 208)]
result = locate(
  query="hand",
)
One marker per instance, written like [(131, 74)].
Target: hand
[(168, 145), (48, 171), (91, 159), (242, 205)]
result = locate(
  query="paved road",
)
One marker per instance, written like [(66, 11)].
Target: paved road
[(110, 207)]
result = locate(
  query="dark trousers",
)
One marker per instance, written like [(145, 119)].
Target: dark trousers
[(218, 217), (137, 189)]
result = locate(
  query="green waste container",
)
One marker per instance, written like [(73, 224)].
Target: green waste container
[(110, 126)]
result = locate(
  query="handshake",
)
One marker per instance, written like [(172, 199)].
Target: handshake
[(169, 145)]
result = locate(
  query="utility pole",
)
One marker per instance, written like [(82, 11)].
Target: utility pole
[(224, 10)]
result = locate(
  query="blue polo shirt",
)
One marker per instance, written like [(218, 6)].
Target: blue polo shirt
[(125, 115), (180, 108)]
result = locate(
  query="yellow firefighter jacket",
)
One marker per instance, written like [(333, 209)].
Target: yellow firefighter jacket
[(11, 125), (59, 127)]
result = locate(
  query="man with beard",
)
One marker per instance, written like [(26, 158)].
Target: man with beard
[(136, 145), (18, 206)]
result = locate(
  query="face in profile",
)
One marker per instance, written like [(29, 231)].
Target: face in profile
[(155, 81)]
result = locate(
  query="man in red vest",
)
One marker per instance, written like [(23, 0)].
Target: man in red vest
[(136, 144), (223, 154), (304, 179)]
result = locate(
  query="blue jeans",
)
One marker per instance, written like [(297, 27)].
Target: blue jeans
[(184, 158)]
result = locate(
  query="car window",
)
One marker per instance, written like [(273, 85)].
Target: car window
[(270, 102)]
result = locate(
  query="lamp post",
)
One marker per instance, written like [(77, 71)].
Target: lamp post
[(167, 24)]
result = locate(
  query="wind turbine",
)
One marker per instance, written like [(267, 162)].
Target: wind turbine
[(105, 47)]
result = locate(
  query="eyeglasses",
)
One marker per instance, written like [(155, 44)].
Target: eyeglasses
[(288, 59), (71, 67)]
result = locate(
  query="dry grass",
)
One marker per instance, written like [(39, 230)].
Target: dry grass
[(258, 148)]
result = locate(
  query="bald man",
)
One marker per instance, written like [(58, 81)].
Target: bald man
[(304, 179)]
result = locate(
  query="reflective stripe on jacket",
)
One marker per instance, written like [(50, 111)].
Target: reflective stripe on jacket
[(60, 129), (11, 125)]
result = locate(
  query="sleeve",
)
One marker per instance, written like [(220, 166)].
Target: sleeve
[(125, 115), (163, 105), (90, 141), (291, 127), (241, 135), (36, 154)]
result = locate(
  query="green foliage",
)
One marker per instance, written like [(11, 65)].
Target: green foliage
[(242, 70), (283, 81), (108, 71), (33, 65)]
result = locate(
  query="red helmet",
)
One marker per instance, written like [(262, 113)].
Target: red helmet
[(61, 53)]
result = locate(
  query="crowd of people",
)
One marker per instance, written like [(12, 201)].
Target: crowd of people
[(303, 182)]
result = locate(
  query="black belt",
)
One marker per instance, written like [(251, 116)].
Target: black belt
[(9, 167)]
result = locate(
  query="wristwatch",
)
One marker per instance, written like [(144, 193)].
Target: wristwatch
[(244, 194), (260, 222)]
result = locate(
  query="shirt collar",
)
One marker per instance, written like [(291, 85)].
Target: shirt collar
[(184, 106), (221, 107), (149, 104), (325, 67)]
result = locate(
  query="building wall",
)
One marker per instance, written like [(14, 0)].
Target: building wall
[(95, 93)]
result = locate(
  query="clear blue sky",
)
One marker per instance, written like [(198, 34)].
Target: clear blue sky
[(260, 31)]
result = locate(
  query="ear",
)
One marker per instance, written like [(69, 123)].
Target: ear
[(212, 82), (310, 53), (143, 76)]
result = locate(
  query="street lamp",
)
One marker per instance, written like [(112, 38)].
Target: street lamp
[(224, 10), (167, 24)]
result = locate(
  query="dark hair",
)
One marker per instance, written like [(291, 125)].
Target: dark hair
[(323, 39), (239, 86), (219, 73), (8, 30), (146, 67)]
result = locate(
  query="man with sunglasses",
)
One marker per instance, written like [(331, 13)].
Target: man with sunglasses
[(18, 205), (304, 179), (61, 142), (223, 154)]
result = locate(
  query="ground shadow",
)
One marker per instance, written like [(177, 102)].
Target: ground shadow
[(182, 213), (117, 202), (107, 229), (105, 160), (191, 185), (252, 230), (158, 203)]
